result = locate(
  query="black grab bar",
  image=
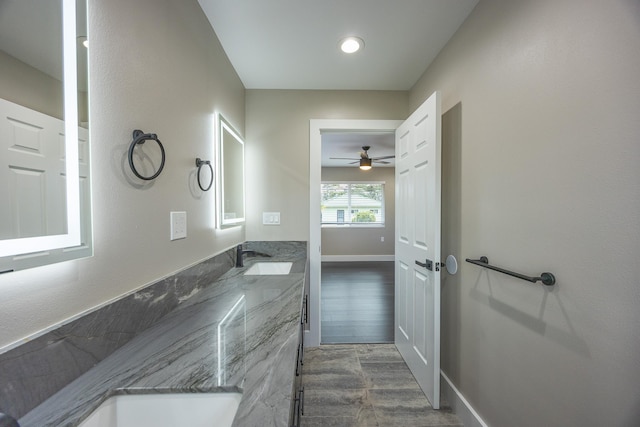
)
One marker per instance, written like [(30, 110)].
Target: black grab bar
[(546, 278)]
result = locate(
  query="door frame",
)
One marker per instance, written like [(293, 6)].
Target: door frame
[(316, 128)]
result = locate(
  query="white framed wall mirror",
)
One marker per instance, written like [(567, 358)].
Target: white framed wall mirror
[(231, 179), (45, 214)]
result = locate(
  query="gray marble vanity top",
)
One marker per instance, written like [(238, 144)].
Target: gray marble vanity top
[(180, 352)]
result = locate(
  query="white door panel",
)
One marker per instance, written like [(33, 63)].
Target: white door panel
[(402, 145), (33, 177), (27, 201), (418, 245), (420, 315), (420, 236), (403, 221), (402, 286), (30, 165)]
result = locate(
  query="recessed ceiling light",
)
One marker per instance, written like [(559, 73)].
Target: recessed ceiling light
[(351, 44)]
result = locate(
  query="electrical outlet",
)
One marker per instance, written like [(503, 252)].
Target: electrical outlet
[(178, 225), (271, 218)]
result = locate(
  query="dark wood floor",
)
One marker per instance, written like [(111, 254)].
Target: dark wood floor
[(357, 302)]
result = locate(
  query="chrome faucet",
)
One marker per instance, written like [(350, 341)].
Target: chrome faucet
[(241, 252)]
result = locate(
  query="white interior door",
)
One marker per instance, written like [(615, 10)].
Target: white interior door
[(417, 265), (33, 182), (32, 171)]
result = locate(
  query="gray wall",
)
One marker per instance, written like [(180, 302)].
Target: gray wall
[(24, 85), (540, 162), (277, 149), (362, 241), (155, 66)]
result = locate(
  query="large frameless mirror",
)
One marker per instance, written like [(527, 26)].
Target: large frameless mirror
[(44, 137), (231, 167)]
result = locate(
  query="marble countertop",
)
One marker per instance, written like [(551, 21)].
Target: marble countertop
[(180, 352)]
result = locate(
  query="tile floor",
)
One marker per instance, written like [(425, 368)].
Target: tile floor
[(365, 385)]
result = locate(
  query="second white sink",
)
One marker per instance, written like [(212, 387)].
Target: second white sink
[(269, 269)]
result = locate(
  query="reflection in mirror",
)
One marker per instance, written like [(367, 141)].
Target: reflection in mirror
[(231, 168), (232, 344), (45, 214)]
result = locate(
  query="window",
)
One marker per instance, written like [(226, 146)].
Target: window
[(352, 203)]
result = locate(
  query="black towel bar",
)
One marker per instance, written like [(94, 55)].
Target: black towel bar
[(546, 278)]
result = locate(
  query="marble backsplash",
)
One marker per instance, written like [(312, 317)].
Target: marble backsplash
[(32, 372)]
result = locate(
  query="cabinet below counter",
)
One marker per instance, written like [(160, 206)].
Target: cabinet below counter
[(297, 401), (241, 333)]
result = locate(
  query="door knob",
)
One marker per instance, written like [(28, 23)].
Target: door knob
[(428, 264)]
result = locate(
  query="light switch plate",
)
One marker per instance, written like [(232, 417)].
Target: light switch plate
[(178, 225), (271, 218)]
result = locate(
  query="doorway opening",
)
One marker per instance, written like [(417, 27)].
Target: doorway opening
[(354, 301)]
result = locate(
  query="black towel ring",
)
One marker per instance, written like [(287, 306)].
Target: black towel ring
[(140, 137), (199, 163)]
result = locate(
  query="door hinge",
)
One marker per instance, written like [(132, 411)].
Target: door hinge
[(438, 266)]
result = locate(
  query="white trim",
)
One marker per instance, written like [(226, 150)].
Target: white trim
[(460, 406), (352, 258), (316, 128), (223, 222)]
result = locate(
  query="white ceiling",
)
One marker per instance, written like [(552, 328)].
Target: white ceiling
[(293, 44), (349, 144)]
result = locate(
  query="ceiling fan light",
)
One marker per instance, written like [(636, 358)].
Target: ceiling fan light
[(365, 164)]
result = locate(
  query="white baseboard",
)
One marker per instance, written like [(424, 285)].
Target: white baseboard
[(351, 258), (460, 406)]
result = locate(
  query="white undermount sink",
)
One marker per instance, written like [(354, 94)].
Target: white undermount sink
[(269, 268), (166, 410)]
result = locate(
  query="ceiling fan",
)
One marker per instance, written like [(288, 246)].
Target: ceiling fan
[(366, 161)]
